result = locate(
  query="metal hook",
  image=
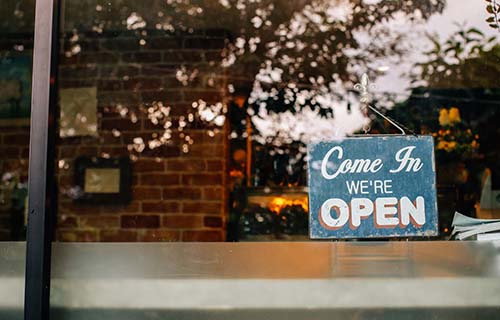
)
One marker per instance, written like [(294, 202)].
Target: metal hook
[(365, 98)]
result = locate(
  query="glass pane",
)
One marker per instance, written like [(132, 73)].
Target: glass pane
[(189, 120), (16, 50)]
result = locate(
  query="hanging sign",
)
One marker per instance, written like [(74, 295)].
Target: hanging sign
[(372, 187)]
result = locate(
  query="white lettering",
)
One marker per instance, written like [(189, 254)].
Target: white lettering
[(414, 211), (385, 212), (405, 160), (342, 213), (360, 209), (348, 165)]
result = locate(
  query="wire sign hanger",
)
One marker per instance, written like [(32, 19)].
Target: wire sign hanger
[(365, 98)]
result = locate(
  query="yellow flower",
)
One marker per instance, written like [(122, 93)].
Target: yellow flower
[(444, 119), (451, 145), (442, 145), (454, 115)]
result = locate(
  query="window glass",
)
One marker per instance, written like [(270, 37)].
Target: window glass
[(189, 120), (16, 49)]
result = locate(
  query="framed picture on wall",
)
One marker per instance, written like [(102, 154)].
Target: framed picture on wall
[(15, 89), (103, 180)]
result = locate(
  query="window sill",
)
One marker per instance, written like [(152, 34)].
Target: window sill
[(204, 280)]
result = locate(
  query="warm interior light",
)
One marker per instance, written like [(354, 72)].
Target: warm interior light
[(278, 203)]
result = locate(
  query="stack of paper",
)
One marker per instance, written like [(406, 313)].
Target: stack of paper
[(465, 227)]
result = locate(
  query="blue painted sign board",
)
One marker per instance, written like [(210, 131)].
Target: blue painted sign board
[(372, 187)]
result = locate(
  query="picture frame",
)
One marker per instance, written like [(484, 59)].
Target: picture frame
[(103, 180)]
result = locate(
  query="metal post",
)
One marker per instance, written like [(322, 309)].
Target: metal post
[(41, 164)]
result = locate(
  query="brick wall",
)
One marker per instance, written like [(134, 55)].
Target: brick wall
[(176, 195)]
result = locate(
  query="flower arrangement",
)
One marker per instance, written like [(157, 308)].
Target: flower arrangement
[(454, 140)]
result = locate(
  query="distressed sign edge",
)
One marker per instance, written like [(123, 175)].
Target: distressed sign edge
[(431, 232)]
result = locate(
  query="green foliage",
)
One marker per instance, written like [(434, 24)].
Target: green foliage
[(467, 59), (493, 8)]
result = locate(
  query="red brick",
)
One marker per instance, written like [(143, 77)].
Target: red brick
[(162, 152), (205, 151), (64, 60), (213, 193), (121, 44), (25, 152), (143, 84), (110, 85), (66, 180), (158, 69), (113, 98), (204, 43), (181, 109), (79, 209), (210, 96), (160, 207), (118, 235), (160, 179), (175, 165), (77, 235), (182, 193), (164, 43), (166, 96), (212, 222), (215, 165), (148, 165), (132, 207), (99, 57), (146, 193), (87, 151), (183, 56), (120, 124), (100, 221), (70, 141), (114, 151), (16, 139), (108, 138), (119, 71), (148, 57), (159, 235), (9, 152), (202, 236), (182, 221), (128, 137), (140, 221), (202, 207), (67, 152), (88, 71), (66, 221), (173, 82), (206, 179)]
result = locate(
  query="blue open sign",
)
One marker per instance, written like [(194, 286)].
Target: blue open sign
[(373, 186)]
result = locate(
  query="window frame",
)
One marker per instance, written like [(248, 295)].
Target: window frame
[(41, 167), (41, 182)]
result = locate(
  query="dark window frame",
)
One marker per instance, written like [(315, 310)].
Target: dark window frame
[(41, 195)]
